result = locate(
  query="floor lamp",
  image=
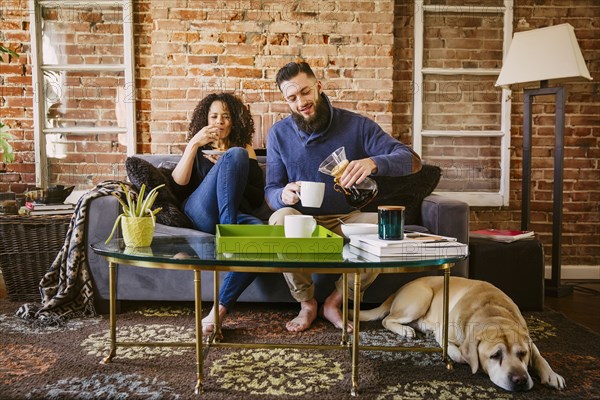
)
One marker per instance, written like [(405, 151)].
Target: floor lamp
[(537, 57)]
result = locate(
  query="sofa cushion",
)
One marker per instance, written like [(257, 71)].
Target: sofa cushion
[(142, 172), (408, 191)]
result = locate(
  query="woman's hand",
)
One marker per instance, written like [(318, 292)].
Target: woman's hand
[(207, 135), (183, 171)]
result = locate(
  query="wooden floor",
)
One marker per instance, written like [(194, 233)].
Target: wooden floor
[(582, 306)]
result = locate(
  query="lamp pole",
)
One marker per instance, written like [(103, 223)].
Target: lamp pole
[(553, 285)]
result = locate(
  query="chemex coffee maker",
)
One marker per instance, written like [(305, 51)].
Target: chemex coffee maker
[(359, 194)]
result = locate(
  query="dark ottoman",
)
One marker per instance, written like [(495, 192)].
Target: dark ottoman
[(516, 268)]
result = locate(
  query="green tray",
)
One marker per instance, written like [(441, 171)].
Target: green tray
[(252, 239)]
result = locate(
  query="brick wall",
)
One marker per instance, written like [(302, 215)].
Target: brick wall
[(16, 95), (239, 46), (363, 52)]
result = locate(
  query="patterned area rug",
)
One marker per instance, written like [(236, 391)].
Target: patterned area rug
[(64, 363)]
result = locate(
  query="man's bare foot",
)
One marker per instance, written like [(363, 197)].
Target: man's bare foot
[(208, 322), (332, 311), (306, 316)]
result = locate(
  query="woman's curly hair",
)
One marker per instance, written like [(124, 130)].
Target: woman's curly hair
[(242, 125)]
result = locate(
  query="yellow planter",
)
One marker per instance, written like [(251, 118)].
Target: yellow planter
[(137, 231)]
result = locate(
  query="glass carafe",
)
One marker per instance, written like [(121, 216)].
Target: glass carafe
[(359, 194)]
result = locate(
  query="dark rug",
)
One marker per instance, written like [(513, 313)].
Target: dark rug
[(64, 362)]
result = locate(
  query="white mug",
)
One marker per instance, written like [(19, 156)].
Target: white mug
[(311, 193), (299, 226)]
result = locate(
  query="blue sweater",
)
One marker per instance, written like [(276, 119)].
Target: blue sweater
[(294, 155)]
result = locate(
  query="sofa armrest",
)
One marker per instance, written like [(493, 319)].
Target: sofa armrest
[(448, 217), (102, 213)]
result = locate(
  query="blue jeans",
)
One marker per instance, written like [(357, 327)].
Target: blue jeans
[(216, 201)]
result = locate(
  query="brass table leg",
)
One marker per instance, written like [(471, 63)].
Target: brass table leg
[(445, 319), (112, 284), (199, 359), (344, 309), (216, 335), (355, 339)]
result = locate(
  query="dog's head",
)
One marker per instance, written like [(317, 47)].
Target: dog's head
[(503, 352)]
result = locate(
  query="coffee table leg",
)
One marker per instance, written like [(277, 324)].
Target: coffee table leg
[(199, 359), (112, 285), (356, 322), (445, 319), (344, 309), (217, 335)]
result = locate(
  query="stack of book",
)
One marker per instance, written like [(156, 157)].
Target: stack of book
[(414, 246), (34, 208)]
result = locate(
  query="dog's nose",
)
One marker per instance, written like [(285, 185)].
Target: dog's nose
[(519, 381)]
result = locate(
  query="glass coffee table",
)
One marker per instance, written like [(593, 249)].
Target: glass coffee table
[(198, 254)]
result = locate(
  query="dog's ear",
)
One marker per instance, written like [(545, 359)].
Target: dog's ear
[(469, 352)]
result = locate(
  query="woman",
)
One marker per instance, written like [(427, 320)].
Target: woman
[(221, 188)]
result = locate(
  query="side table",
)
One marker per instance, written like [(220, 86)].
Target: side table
[(28, 246), (516, 268)]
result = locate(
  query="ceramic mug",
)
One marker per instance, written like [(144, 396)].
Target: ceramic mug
[(311, 193), (299, 226)]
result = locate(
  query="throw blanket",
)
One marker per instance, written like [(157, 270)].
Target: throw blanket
[(67, 288)]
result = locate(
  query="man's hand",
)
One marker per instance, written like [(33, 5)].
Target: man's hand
[(289, 196), (357, 171)]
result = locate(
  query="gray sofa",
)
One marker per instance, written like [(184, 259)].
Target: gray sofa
[(440, 215)]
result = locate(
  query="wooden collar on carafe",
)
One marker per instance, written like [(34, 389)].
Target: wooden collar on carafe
[(339, 169), (337, 172)]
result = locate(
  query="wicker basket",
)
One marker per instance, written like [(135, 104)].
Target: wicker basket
[(28, 246)]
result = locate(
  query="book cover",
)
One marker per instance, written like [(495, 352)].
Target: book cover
[(369, 256), (51, 212), (431, 249), (501, 235), (412, 237), (55, 206)]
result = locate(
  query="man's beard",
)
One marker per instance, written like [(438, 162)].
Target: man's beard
[(317, 122)]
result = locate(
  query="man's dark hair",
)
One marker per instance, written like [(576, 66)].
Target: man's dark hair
[(292, 69)]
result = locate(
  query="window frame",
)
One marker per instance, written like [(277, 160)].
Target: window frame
[(38, 69), (501, 197)]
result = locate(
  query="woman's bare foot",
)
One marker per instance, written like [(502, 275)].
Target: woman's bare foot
[(306, 316), (332, 311), (208, 322)]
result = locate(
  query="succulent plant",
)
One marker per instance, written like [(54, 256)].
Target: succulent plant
[(136, 206)]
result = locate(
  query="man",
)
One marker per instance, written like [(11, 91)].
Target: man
[(297, 145)]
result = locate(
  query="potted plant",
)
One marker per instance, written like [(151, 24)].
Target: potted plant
[(138, 219), (7, 154)]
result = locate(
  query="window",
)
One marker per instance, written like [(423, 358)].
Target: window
[(461, 120), (83, 78)]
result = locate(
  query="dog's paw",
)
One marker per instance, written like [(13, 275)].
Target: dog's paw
[(398, 328), (553, 380), (407, 332)]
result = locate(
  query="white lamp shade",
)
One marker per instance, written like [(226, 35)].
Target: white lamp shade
[(550, 53)]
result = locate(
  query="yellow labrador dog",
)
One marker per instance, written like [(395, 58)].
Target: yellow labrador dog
[(486, 329)]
